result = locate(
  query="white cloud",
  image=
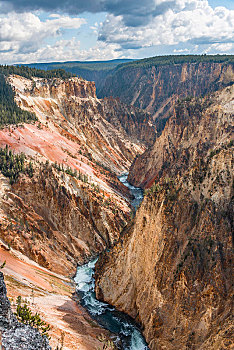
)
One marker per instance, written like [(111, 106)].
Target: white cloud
[(181, 50), (24, 34), (226, 47), (184, 25), (197, 23), (63, 50)]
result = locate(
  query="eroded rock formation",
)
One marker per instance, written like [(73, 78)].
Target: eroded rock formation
[(172, 269), (156, 88), (56, 216), (195, 128), (71, 108)]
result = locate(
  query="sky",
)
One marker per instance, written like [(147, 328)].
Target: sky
[(85, 30)]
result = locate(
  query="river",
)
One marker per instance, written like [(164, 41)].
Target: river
[(127, 332)]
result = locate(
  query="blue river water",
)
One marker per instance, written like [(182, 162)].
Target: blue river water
[(135, 191), (127, 332)]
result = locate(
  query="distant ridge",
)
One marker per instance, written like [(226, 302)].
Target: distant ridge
[(92, 65), (89, 70), (177, 59), (156, 83)]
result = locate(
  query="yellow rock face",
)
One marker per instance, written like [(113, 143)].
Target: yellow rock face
[(172, 270)]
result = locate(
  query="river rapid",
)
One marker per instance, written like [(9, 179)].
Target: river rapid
[(128, 335)]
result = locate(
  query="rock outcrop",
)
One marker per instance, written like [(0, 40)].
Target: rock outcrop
[(71, 106), (172, 269), (74, 206), (156, 87), (15, 335), (55, 217), (197, 127)]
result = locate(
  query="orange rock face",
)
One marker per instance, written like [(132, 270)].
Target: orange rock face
[(156, 88), (172, 270), (194, 129), (54, 216)]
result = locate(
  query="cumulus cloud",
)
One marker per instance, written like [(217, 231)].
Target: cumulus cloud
[(195, 24), (25, 33), (226, 47), (61, 50), (129, 27), (134, 12)]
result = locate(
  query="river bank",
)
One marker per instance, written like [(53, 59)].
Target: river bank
[(127, 333), (49, 294)]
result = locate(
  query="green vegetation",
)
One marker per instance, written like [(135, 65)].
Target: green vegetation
[(177, 59), (61, 341), (10, 113), (95, 71), (3, 264), (155, 188), (78, 66), (11, 165), (191, 106), (25, 315), (218, 150), (201, 251), (167, 185), (29, 72), (60, 167)]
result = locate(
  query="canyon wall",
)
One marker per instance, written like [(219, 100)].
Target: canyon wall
[(71, 108), (195, 128), (55, 217), (73, 206), (171, 270), (156, 87)]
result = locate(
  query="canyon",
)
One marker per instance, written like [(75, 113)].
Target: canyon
[(167, 128), (155, 84), (72, 131), (172, 270), (74, 206)]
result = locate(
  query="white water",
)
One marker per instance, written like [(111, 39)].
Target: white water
[(116, 322), (135, 191), (106, 315)]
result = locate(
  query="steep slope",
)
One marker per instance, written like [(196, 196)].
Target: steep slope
[(172, 270), (156, 83), (197, 126), (71, 108), (55, 217), (61, 202), (15, 335), (72, 205), (49, 294)]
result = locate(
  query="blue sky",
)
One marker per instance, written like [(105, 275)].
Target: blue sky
[(57, 30)]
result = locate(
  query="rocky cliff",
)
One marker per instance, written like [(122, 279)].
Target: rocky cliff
[(55, 217), (74, 206), (172, 269), (15, 335), (196, 128), (155, 87), (71, 108)]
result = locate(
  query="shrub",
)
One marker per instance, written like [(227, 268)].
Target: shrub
[(25, 315)]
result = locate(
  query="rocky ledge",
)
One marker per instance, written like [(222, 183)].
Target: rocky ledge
[(15, 335)]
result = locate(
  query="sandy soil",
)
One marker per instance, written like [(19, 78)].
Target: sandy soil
[(50, 295)]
